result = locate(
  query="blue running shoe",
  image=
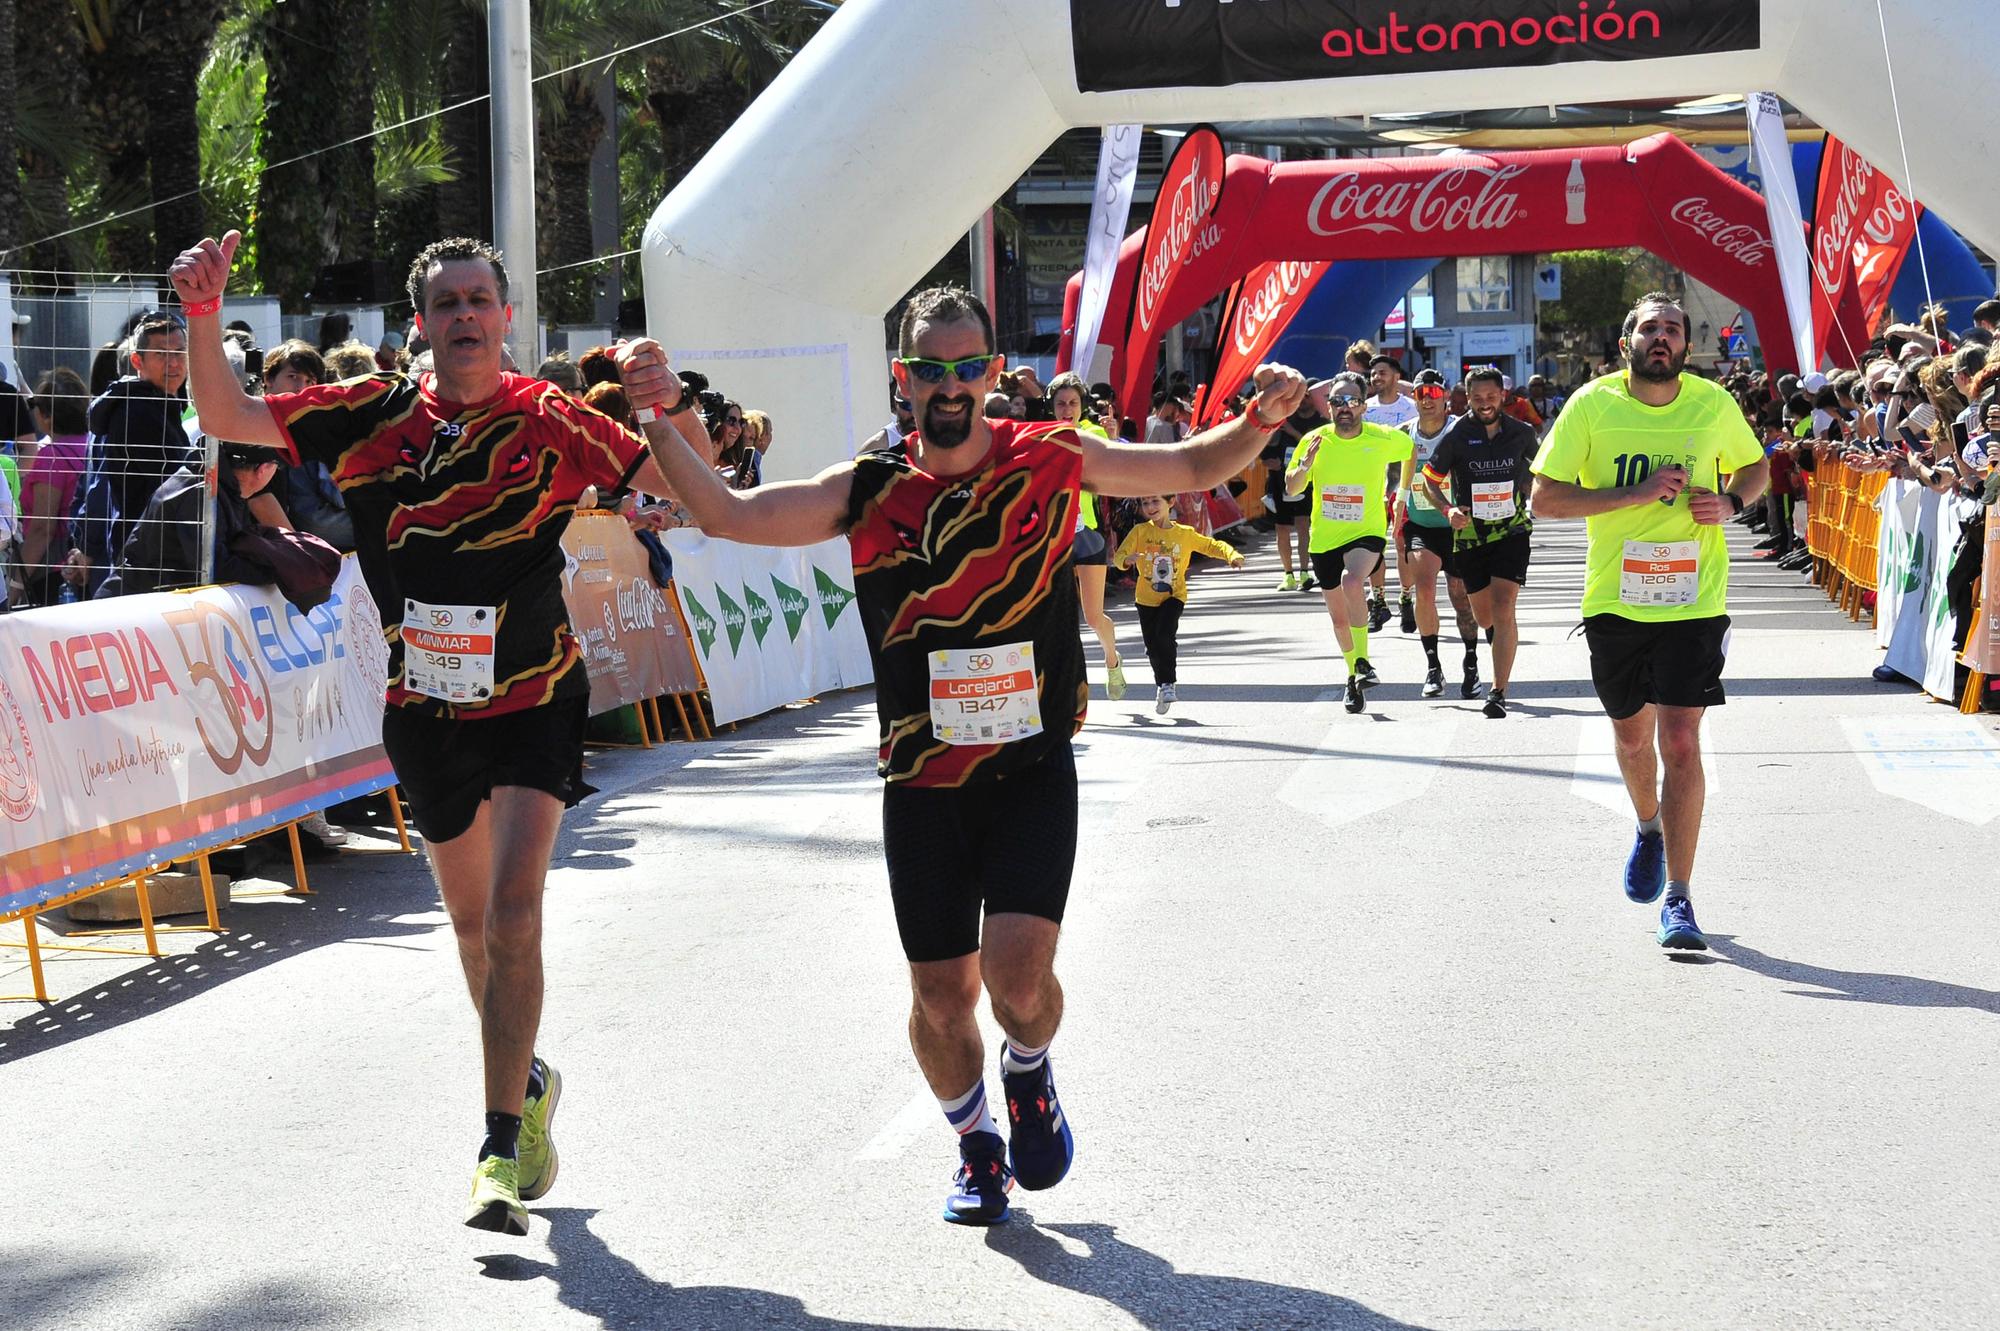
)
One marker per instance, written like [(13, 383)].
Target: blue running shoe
[(1042, 1147), (1678, 930), (979, 1192), (1646, 867)]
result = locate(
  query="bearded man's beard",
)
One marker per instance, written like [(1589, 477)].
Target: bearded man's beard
[(948, 433), (1643, 365)]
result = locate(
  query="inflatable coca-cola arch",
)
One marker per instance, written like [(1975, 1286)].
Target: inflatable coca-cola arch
[(1657, 194), (772, 264)]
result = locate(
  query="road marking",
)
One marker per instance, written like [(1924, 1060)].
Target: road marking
[(920, 1115), (1363, 767), (1597, 777), (1949, 764)]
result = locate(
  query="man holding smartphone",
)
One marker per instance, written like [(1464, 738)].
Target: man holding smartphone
[(1641, 456)]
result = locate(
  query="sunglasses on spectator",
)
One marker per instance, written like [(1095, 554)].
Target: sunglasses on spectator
[(732, 420), (970, 370), (1431, 393)]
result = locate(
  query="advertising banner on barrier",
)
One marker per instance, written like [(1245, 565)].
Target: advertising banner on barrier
[(1982, 650), (632, 642), (144, 727), (772, 626), (1178, 231), (1913, 621), (1126, 44)]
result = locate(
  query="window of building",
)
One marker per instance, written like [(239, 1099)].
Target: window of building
[(1485, 284)]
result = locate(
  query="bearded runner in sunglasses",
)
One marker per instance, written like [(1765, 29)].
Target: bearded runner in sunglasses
[(1485, 461), (961, 537), (1344, 463), (461, 482), (1636, 454)]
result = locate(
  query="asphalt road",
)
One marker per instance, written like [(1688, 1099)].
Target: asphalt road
[(1361, 1034)]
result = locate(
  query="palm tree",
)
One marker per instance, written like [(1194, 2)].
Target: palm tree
[(10, 180), (51, 137), (316, 204)]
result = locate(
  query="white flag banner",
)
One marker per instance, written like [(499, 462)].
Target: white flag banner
[(1773, 149), (1913, 619), (772, 626), (1110, 211)]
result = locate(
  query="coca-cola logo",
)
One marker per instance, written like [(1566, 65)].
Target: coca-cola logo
[(1465, 198), (1745, 244), (1876, 209), (1273, 296), (1188, 198)]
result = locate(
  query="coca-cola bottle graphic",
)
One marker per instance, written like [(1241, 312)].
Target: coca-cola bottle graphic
[(1574, 191)]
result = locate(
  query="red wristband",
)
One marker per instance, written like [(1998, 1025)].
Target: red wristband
[(1258, 421), (201, 309)]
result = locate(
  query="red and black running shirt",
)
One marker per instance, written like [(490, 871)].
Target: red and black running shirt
[(465, 504), (960, 562)]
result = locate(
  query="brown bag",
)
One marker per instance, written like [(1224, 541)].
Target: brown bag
[(302, 565)]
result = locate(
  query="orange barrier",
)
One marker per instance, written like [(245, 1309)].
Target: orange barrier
[(1844, 531)]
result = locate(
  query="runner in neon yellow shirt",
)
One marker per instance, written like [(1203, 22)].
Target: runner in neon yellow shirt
[(1642, 455), (1345, 463)]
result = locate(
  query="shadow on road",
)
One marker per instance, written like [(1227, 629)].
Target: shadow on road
[(1857, 986), (1163, 1299), (597, 1282)]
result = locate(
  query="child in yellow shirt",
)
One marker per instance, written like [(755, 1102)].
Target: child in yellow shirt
[(1162, 548)]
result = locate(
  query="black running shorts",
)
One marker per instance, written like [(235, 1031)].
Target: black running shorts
[(997, 847), (1328, 565), (448, 768), (1089, 548), (1477, 565), (1437, 540), (1295, 509), (1677, 663)]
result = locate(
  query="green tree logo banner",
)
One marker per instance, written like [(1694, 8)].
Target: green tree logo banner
[(704, 625), (792, 604), (833, 598), (733, 619), (760, 614)]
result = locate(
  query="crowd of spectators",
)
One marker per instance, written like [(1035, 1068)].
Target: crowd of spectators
[(102, 487)]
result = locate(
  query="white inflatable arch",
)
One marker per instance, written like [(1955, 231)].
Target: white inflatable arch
[(772, 265)]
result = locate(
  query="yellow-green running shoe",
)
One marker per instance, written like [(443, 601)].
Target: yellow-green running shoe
[(538, 1146), (496, 1198), (1114, 681)]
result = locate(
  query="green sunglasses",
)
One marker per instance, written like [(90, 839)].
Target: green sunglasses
[(970, 370)]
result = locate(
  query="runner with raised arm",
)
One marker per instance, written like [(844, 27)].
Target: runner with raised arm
[(1641, 455), (961, 541), (460, 482)]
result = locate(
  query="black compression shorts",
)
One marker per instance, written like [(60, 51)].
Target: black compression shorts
[(957, 853), (1677, 663), (1090, 548), (448, 768), (1437, 540), (1477, 565), (1328, 565)]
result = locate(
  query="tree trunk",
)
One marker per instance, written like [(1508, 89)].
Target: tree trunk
[(693, 112), (115, 108), (465, 207), (567, 144), (320, 210), (10, 180), (46, 37), (172, 128)]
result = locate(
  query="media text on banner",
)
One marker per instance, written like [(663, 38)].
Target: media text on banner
[(142, 728)]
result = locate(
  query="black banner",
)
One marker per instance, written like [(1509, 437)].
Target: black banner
[(1127, 44)]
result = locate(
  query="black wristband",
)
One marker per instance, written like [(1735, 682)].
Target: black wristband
[(1735, 501)]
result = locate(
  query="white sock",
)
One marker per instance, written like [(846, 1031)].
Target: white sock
[(1650, 825), (968, 1112), (1016, 1059)]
